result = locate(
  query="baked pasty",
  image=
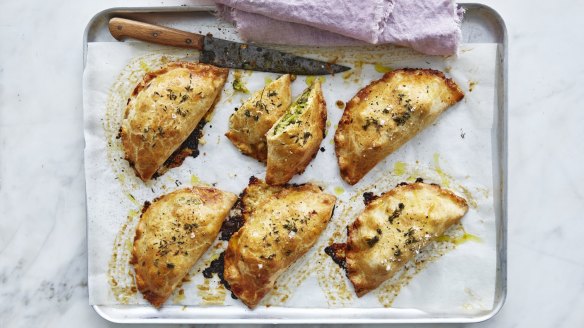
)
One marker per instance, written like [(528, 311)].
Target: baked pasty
[(173, 232), (281, 224), (394, 227), (164, 109), (295, 138), (387, 113), (249, 124)]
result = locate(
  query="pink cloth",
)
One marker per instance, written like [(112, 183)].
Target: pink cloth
[(429, 26)]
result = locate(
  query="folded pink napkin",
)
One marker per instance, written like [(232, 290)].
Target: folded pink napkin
[(429, 26)]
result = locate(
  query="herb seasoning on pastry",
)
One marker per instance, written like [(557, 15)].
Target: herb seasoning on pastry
[(295, 138), (281, 224), (393, 228), (249, 124), (163, 111), (386, 114), (173, 232)]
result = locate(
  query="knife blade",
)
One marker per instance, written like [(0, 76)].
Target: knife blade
[(223, 53)]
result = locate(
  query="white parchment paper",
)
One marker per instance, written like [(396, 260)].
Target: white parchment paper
[(455, 152)]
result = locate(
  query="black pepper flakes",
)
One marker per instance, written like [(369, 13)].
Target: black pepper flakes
[(396, 213)]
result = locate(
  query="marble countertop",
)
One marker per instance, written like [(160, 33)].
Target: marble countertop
[(43, 263)]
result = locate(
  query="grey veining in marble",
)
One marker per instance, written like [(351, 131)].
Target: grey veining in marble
[(43, 274)]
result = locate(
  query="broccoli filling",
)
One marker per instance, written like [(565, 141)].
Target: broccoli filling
[(238, 85), (294, 112)]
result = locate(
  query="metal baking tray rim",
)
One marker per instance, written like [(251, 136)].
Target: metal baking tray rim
[(501, 277), (323, 319)]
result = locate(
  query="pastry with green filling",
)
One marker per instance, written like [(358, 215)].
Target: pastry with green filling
[(249, 124), (295, 138)]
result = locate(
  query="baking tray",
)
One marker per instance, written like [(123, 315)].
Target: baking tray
[(481, 24)]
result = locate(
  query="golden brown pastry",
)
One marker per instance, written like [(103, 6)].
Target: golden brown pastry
[(386, 114), (294, 139), (394, 227), (163, 111), (249, 124), (173, 232), (281, 224)]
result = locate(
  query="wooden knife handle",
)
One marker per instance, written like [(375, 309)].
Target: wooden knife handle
[(121, 28)]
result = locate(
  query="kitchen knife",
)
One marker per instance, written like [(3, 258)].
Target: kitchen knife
[(223, 53)]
